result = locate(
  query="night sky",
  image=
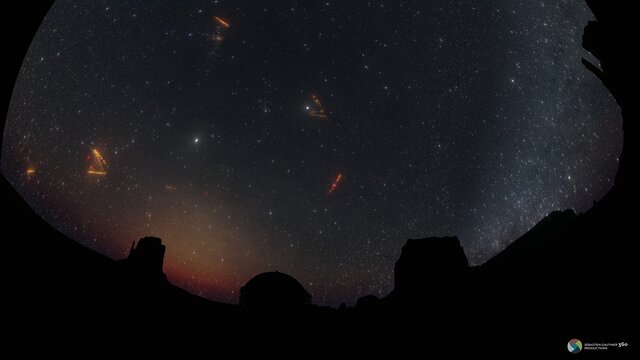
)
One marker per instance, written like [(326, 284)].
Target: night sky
[(309, 137)]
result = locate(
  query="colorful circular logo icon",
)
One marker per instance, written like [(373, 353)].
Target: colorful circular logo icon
[(574, 346)]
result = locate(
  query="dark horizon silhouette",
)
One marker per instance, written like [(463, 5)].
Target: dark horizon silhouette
[(568, 277)]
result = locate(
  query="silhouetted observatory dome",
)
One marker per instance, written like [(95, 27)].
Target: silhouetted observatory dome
[(273, 289)]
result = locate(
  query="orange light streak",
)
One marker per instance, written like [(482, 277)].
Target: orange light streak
[(100, 163), (334, 184), (318, 110), (96, 172), (222, 22)]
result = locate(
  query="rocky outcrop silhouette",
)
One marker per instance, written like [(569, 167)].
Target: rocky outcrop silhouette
[(608, 38), (367, 301), (146, 257), (428, 266)]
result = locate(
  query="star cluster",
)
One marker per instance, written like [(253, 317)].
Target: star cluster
[(307, 137)]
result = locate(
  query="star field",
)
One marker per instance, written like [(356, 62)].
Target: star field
[(311, 138)]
